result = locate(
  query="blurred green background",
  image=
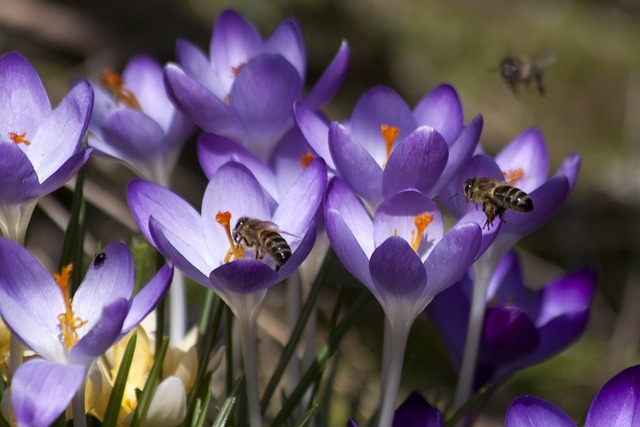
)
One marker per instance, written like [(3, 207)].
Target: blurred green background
[(592, 107)]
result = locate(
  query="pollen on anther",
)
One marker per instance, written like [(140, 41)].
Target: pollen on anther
[(235, 250), (19, 138), (69, 323), (306, 159), (513, 175), (421, 222), (389, 133), (112, 81)]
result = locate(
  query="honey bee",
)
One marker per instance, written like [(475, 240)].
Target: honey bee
[(522, 70), (496, 197), (262, 237)]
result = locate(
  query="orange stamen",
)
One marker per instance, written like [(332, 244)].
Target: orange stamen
[(422, 221), (513, 175), (19, 138), (389, 133), (235, 70), (224, 218), (112, 81), (306, 159), (69, 323)]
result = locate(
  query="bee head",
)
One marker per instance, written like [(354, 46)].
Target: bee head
[(236, 230), (468, 187), (509, 68)]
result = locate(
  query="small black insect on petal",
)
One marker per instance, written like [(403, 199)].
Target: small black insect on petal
[(100, 258)]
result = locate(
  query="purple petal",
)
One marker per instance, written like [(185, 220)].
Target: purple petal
[(193, 261), (554, 336), (243, 276), (351, 423), (441, 109), (415, 411), (315, 131), (416, 163), (148, 298), (355, 164), (452, 256), (133, 134), (449, 311), (330, 81), (506, 286), (234, 42), (287, 41), (147, 199), (528, 152), (105, 283), (262, 98), (349, 229), (508, 334), (569, 168), (299, 206), (380, 106), (572, 292), (195, 64), (24, 101), (41, 391), (398, 273), (460, 154), (617, 404), (396, 217), (547, 201), (215, 150), (144, 76), (102, 335), (203, 107), (65, 172), (30, 301), (18, 179), (529, 411), (300, 252), (60, 135), (287, 160)]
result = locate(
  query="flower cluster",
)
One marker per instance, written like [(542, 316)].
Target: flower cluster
[(409, 201)]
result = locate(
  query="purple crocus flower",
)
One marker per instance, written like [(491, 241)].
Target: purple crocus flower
[(134, 121), (67, 334), (246, 88), (197, 245), (202, 246), (415, 411), (524, 164), (40, 148), (520, 328), (403, 257), (617, 404), (387, 148)]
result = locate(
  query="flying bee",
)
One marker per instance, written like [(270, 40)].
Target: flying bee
[(522, 70), (496, 197), (263, 238)]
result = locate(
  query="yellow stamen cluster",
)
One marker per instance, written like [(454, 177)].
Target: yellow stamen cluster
[(389, 133), (421, 222), (69, 323), (19, 138), (224, 218), (306, 159), (112, 81), (513, 175)]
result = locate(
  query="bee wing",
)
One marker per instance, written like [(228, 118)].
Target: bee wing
[(274, 226)]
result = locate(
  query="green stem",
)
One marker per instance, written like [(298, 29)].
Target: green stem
[(247, 315)]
